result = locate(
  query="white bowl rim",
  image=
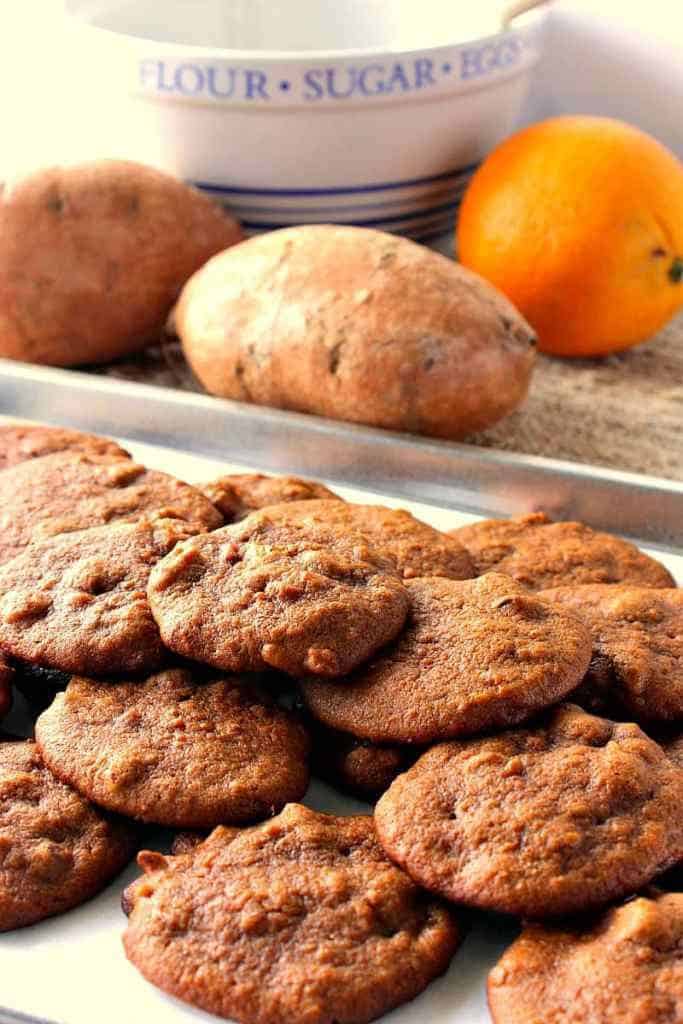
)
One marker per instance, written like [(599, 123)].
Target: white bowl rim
[(528, 21)]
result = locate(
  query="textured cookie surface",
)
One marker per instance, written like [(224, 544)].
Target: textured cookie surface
[(301, 918), (244, 598), (77, 602), (23, 441), (555, 819), (637, 665), (56, 849), (414, 548), (238, 494), (625, 969), (174, 751), (72, 491), (674, 749), (475, 654), (542, 554)]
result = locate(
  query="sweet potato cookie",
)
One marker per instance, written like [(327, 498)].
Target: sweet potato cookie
[(56, 850), (174, 751), (542, 554), (475, 655), (411, 546), (626, 968), (298, 600), (355, 766), (238, 494), (72, 491), (637, 665), (301, 918), (6, 680), (557, 818), (78, 602), (23, 441)]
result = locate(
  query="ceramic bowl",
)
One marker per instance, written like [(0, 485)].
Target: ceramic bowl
[(369, 112)]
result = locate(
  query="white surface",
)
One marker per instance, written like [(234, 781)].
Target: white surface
[(72, 969)]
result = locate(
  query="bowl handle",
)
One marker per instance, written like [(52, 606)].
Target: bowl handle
[(513, 8)]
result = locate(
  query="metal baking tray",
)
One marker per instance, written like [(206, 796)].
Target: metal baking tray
[(71, 969), (480, 481)]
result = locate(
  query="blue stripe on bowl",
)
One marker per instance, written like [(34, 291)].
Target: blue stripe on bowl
[(454, 193), (337, 190)]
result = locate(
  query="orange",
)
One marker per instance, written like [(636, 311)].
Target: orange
[(579, 221)]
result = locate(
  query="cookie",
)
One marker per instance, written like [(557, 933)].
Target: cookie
[(356, 766), (78, 603), (173, 751), (301, 918), (20, 442), (238, 494), (474, 655), (56, 850), (636, 670), (624, 968), (412, 547), (71, 491), (6, 680), (542, 554), (557, 818), (299, 600)]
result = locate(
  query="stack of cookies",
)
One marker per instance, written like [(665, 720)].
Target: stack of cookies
[(511, 695)]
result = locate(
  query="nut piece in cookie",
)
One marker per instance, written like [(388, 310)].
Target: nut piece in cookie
[(23, 441), (238, 494), (412, 547), (174, 751), (77, 602), (73, 491), (299, 600), (301, 918), (624, 968), (637, 667), (474, 655), (56, 849), (542, 554), (557, 818)]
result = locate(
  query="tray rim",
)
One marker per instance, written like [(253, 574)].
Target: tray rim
[(449, 474)]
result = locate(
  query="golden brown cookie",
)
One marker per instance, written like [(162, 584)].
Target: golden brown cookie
[(557, 818), (624, 968), (474, 655), (56, 850), (20, 442), (637, 666), (355, 766), (6, 680), (301, 918), (542, 554), (411, 546), (174, 751), (71, 491), (78, 602), (238, 494), (299, 600)]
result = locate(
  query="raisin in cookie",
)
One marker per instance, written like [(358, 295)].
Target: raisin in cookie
[(475, 655), (557, 818), (175, 751), (301, 918)]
